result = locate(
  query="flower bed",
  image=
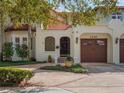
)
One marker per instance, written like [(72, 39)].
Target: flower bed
[(76, 68)]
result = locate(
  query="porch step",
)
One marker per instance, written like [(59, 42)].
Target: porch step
[(61, 59)]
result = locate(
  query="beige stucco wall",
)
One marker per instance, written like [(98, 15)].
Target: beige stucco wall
[(111, 32), (41, 54), (122, 36)]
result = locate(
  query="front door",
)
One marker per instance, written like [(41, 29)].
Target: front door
[(94, 50), (64, 46)]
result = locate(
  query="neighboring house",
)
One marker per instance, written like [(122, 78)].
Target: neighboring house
[(102, 43)]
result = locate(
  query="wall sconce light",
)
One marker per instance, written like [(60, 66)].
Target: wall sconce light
[(116, 40), (76, 40), (57, 47)]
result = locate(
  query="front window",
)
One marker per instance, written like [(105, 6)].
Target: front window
[(49, 44)]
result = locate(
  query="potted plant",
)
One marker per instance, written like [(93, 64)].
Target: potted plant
[(49, 59), (69, 61)]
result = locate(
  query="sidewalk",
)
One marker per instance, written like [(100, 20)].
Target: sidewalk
[(33, 90)]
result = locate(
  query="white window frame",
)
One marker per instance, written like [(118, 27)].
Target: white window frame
[(117, 16)]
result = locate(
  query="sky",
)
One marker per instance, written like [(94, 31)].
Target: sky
[(121, 2)]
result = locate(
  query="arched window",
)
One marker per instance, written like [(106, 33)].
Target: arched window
[(49, 44)]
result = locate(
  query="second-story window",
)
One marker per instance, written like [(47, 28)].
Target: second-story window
[(117, 16)]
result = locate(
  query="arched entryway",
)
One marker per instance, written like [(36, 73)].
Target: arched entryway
[(95, 47), (64, 46), (122, 48)]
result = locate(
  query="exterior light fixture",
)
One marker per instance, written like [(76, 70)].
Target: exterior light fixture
[(116, 40), (76, 40), (57, 47)]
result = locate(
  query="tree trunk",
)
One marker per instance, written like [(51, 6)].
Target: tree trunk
[(29, 42)]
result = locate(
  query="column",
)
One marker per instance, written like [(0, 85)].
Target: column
[(76, 47), (116, 51)]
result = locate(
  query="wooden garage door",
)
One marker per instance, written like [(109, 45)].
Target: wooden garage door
[(94, 50), (122, 50)]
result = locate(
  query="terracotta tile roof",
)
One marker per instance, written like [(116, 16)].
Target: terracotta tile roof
[(23, 27), (122, 7), (59, 27)]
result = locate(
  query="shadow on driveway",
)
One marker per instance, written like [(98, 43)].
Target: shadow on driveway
[(102, 68)]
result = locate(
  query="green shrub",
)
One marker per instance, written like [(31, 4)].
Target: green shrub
[(78, 68), (22, 51), (8, 51), (13, 76)]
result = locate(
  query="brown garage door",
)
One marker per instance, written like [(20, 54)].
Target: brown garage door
[(94, 50), (122, 50)]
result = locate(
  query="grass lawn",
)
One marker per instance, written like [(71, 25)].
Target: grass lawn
[(5, 64), (76, 68)]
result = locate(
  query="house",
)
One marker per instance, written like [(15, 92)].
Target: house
[(19, 35), (102, 43)]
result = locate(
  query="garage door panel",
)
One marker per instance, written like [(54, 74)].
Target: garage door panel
[(93, 50), (122, 50)]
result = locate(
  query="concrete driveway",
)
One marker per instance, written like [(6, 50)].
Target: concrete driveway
[(101, 79), (106, 78)]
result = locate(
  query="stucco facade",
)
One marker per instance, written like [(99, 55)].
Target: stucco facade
[(113, 32)]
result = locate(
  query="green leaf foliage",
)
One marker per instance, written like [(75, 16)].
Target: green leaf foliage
[(13, 77), (86, 12), (22, 51), (8, 50), (31, 11)]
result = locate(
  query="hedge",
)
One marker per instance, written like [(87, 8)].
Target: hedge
[(13, 76)]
